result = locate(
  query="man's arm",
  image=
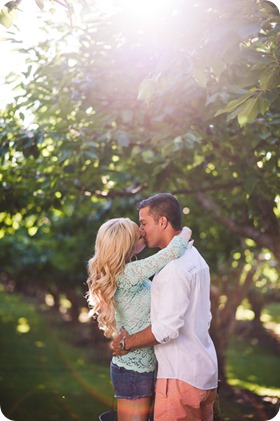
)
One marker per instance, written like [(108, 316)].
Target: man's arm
[(140, 339)]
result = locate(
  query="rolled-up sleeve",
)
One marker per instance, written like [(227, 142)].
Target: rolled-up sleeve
[(170, 300)]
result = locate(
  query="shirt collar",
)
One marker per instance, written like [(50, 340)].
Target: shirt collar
[(190, 244)]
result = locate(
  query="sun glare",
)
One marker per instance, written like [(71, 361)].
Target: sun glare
[(27, 32), (149, 17), (144, 10)]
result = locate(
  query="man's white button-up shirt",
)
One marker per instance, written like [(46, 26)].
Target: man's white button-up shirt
[(180, 317)]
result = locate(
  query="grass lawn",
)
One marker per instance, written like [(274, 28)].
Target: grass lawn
[(253, 362), (45, 377), (41, 377), (253, 367)]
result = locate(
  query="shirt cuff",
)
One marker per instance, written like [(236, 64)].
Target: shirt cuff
[(163, 334)]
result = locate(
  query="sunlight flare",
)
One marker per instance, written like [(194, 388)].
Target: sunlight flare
[(144, 10)]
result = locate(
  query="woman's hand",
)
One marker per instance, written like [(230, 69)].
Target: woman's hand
[(186, 233)]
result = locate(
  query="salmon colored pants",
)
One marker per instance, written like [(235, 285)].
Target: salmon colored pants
[(177, 400)]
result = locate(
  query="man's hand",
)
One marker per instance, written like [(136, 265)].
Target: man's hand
[(116, 343)]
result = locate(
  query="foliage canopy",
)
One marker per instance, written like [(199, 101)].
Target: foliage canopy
[(113, 108)]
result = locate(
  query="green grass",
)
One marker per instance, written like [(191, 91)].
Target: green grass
[(272, 313), (42, 378), (253, 365)]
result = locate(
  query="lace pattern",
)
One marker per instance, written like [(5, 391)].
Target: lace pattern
[(133, 302)]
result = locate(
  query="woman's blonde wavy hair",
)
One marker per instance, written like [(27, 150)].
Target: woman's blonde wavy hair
[(114, 247)]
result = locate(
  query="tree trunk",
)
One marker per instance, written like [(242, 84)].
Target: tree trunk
[(223, 319)]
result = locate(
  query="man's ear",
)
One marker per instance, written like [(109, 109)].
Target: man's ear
[(163, 221)]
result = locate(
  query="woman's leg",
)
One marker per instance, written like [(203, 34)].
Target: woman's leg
[(134, 409)]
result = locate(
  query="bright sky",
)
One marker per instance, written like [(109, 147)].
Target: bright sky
[(28, 22)]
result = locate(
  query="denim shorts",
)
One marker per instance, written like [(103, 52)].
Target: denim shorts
[(128, 384)]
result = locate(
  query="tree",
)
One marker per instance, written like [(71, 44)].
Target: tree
[(204, 126)]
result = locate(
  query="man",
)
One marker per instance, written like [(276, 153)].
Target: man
[(180, 319)]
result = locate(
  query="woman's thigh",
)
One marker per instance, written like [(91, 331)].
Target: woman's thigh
[(134, 409)]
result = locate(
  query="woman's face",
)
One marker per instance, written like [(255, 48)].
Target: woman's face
[(140, 242)]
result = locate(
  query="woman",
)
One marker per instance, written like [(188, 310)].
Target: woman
[(119, 295)]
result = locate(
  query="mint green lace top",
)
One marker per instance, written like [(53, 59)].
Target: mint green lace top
[(133, 302)]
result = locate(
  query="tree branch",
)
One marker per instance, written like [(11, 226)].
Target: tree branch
[(262, 239), (112, 194), (213, 187)]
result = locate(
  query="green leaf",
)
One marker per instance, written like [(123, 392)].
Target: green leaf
[(232, 105), (263, 105), (270, 78), (7, 17), (248, 112)]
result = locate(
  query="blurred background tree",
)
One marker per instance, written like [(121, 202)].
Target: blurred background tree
[(114, 105)]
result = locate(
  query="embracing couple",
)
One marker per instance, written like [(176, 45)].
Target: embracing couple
[(160, 329)]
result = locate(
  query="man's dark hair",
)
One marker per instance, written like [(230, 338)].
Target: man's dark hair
[(163, 204)]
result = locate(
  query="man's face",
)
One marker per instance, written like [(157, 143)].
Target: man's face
[(152, 229)]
